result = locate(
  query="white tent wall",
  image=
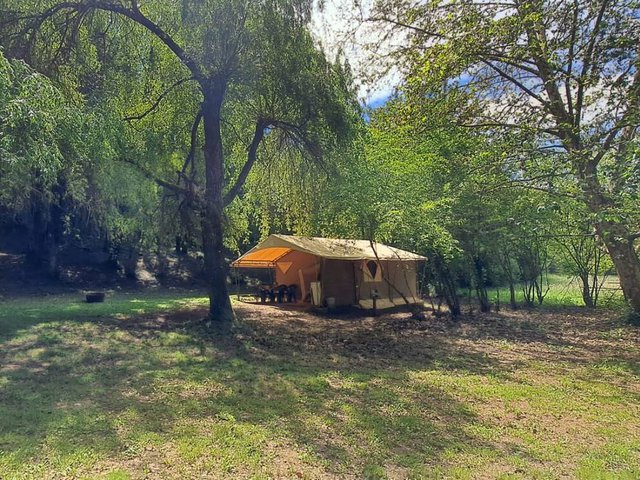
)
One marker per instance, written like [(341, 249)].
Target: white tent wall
[(403, 276)]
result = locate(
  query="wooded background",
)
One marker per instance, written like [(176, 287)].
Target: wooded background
[(509, 150)]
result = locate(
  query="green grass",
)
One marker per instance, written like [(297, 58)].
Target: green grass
[(26, 311), (132, 389), (563, 291)]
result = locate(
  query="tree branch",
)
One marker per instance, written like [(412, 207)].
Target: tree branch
[(571, 56), (516, 82), (251, 160), (158, 100), (163, 183), (398, 23), (538, 45), (588, 59), (192, 151), (627, 127), (512, 126), (296, 132), (134, 14), (526, 184), (500, 57)]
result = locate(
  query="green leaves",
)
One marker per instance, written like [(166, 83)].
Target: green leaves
[(33, 122)]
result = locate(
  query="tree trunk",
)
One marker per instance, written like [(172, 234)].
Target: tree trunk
[(46, 230), (220, 311), (51, 260), (54, 235), (586, 291), (615, 237), (512, 295), (481, 287), (483, 299), (451, 295), (130, 262)]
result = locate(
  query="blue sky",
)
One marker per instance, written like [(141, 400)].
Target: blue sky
[(329, 26)]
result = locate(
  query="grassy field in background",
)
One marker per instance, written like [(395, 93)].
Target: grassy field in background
[(137, 388), (564, 291)]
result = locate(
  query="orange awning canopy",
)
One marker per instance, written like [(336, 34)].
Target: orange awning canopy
[(262, 258)]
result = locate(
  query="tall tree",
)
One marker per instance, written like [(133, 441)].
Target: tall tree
[(253, 63), (565, 74), (424, 184)]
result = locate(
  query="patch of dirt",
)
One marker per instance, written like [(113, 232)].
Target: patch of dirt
[(154, 462), (496, 340), (519, 346)]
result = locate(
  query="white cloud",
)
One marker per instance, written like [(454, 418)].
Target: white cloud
[(338, 26)]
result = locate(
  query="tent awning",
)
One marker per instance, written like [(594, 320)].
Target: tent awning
[(268, 252), (261, 258)]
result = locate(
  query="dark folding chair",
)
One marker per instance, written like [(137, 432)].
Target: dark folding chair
[(282, 291), (292, 293), (263, 292)]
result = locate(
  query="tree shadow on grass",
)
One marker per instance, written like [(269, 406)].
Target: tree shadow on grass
[(73, 393), (349, 392), (496, 344)]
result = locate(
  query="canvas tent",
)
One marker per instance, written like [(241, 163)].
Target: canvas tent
[(348, 272)]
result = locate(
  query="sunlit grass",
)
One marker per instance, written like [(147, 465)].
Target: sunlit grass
[(24, 311), (562, 291), (83, 396)]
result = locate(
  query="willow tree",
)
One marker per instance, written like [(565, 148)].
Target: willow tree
[(565, 74), (257, 75), (47, 145)]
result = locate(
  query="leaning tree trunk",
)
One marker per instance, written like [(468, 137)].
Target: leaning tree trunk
[(625, 259), (615, 235), (220, 310)]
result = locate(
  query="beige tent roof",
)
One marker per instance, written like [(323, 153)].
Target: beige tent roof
[(274, 247)]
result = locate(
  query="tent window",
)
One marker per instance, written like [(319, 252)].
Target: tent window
[(372, 271), (284, 266)]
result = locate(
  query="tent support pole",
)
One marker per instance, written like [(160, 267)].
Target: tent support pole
[(355, 284), (237, 284)]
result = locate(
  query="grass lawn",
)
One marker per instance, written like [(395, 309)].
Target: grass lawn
[(561, 291), (135, 388)]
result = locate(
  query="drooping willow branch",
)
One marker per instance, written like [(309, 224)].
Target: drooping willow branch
[(252, 156), (155, 104), (133, 14), (189, 161)]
